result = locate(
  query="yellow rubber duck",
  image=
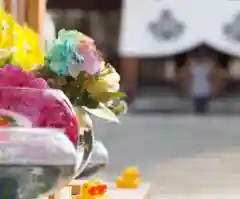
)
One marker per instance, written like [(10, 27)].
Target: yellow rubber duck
[(94, 189), (130, 178)]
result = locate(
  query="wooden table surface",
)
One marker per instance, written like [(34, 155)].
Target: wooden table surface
[(143, 192)]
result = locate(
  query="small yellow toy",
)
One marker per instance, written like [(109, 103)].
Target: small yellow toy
[(130, 178), (94, 189)]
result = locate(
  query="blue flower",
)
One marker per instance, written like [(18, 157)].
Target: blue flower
[(64, 59)]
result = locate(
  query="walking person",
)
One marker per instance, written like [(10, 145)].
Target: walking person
[(197, 74)]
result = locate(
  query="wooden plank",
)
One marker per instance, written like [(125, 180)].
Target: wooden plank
[(143, 192), (76, 187), (35, 17), (129, 75), (17, 9), (8, 5), (21, 12), (65, 193), (106, 5)]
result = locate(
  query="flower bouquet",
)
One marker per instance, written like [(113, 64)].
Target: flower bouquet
[(49, 94), (75, 66)]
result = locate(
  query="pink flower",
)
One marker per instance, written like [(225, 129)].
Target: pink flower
[(21, 92), (58, 115), (88, 50), (91, 62), (87, 42), (15, 76)]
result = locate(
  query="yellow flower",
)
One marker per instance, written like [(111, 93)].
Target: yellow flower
[(32, 39), (110, 75), (6, 33), (27, 53), (106, 83), (6, 36)]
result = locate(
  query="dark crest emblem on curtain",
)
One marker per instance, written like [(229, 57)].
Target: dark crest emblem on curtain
[(232, 29), (166, 27)]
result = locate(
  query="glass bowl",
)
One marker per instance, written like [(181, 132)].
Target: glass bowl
[(98, 160), (27, 167), (45, 108)]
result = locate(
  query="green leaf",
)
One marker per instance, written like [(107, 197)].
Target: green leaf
[(103, 112), (107, 96), (117, 94), (83, 117), (119, 109), (90, 102)]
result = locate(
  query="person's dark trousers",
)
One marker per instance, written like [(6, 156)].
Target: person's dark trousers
[(201, 105)]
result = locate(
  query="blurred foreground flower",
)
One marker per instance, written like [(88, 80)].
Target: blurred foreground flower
[(26, 52), (6, 36), (15, 76), (19, 45), (6, 32), (23, 93)]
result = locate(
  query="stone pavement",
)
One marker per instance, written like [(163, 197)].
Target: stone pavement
[(170, 104), (165, 100), (181, 155)]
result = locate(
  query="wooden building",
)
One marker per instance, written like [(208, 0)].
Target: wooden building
[(170, 30)]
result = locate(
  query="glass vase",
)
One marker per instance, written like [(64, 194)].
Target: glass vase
[(34, 162), (48, 110)]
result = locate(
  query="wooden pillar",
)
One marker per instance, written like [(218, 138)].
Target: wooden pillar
[(21, 12), (16, 9), (129, 75), (8, 5), (28, 11), (35, 16)]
